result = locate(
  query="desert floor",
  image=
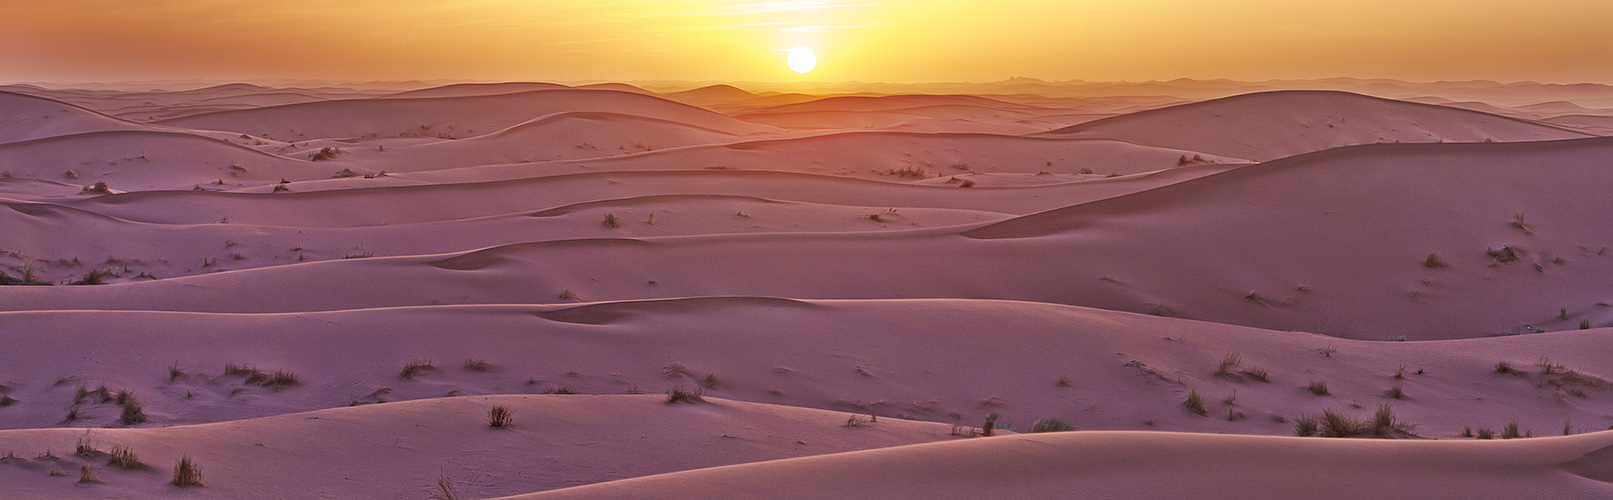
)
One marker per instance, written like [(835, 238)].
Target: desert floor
[(1332, 289)]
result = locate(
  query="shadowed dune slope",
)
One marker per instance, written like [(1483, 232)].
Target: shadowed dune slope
[(25, 117), (1270, 125), (398, 449), (139, 159), (1150, 466), (934, 360), (455, 117), (1359, 225)]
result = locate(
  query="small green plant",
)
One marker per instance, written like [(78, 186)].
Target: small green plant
[(1051, 425), (499, 416), (187, 474), (1195, 403)]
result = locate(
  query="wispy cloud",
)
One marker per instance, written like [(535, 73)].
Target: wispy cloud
[(822, 28), (777, 7)]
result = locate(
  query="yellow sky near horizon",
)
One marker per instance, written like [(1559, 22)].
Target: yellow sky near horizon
[(856, 40)]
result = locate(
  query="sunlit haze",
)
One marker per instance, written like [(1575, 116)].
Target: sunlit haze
[(858, 40)]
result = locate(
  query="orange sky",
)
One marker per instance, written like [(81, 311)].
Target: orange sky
[(862, 40)]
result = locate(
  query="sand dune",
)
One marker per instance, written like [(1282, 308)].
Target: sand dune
[(398, 450), (561, 136), (1361, 221), (478, 89), (137, 159), (1152, 466), (25, 117), (446, 117), (1271, 125), (933, 360)]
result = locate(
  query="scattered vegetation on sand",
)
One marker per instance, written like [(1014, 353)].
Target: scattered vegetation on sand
[(1433, 262), (1506, 368), (1195, 403), (97, 188), (1333, 424), (611, 222), (477, 365), (1051, 425), (1511, 431), (87, 476), (325, 153), (1231, 360), (499, 416), (856, 421), (187, 474), (132, 413), (1549, 368), (1505, 254), (415, 368), (990, 427), (1318, 387), (123, 458), (95, 277), (1307, 425), (1396, 393), (678, 395), (1517, 222), (913, 172), (1485, 434), (710, 382), (445, 490)]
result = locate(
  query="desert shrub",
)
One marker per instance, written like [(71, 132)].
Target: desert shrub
[(87, 476), (1467, 432), (7, 400), (325, 153), (914, 172), (1229, 361), (1547, 367), (186, 473), (85, 448), (711, 381), (1433, 262), (1195, 403), (566, 389), (990, 427), (855, 421), (280, 379), (678, 395), (1505, 254), (174, 373), (1400, 373), (1318, 387), (499, 416), (416, 368), (1568, 428), (1258, 374), (1307, 425), (131, 413), (477, 365), (1063, 382), (1486, 434), (1506, 368), (1051, 425), (123, 458), (95, 277), (1511, 431), (445, 490), (611, 222), (1396, 393), (1384, 423), (1337, 425)]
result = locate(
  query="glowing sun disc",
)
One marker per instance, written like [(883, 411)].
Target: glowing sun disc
[(802, 60)]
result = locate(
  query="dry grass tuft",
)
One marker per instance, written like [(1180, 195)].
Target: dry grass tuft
[(187, 474), (678, 395), (87, 476), (499, 416), (1307, 425), (1318, 388), (1433, 262), (1506, 368), (1486, 434), (1051, 425), (415, 368), (1195, 403), (477, 365), (123, 458), (445, 490)]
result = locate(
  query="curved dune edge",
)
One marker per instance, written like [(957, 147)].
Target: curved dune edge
[(399, 449), (1083, 465)]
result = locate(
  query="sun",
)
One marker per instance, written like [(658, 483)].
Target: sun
[(802, 60)]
